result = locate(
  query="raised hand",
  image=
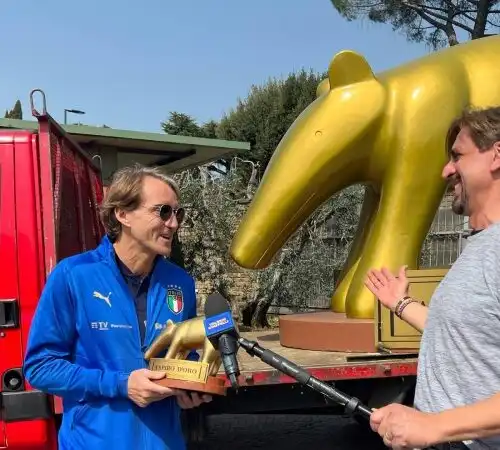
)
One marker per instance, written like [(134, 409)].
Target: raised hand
[(388, 288)]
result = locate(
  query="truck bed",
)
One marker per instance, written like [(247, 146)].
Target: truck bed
[(322, 364)]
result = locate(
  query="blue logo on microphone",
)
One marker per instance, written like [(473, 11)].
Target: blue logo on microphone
[(219, 323)]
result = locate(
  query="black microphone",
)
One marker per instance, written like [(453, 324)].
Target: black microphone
[(221, 331), (351, 404)]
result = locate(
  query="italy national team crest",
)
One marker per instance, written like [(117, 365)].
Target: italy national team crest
[(175, 300)]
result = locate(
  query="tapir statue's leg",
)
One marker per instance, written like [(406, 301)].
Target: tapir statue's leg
[(208, 352), (211, 357), (162, 341), (159, 344), (174, 349), (410, 194), (368, 210), (397, 235), (182, 354), (214, 367)]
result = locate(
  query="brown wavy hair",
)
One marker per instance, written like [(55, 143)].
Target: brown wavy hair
[(124, 192), (483, 126)]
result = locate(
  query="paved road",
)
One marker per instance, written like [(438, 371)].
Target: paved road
[(287, 432)]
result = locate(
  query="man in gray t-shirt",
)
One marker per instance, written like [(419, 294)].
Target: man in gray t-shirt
[(457, 397)]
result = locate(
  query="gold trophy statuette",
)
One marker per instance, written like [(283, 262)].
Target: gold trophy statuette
[(181, 338)]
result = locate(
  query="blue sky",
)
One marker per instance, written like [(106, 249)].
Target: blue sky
[(127, 66)]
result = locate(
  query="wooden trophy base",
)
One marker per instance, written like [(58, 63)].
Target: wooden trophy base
[(213, 385), (327, 331)]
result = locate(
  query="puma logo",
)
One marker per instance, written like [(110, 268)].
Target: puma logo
[(102, 297)]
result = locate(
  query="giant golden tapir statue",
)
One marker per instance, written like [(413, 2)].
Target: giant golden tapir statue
[(386, 131)]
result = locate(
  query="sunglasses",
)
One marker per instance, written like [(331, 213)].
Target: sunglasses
[(165, 212)]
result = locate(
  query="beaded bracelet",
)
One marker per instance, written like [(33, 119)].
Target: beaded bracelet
[(402, 304)]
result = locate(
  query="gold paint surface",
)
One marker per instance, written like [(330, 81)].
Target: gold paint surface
[(386, 131), (180, 338)]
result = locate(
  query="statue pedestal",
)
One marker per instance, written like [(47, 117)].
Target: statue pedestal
[(327, 331)]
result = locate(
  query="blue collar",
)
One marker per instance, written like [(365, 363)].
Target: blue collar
[(107, 252)]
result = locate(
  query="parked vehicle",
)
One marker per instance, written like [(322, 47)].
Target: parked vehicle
[(50, 190), (49, 193)]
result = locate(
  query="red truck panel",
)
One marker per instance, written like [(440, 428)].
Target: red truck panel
[(30, 251), (29, 232), (49, 196), (21, 265), (346, 371), (10, 340)]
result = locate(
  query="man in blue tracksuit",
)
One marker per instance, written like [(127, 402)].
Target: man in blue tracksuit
[(99, 312)]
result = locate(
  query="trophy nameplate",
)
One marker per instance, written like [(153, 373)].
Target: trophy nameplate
[(182, 338)]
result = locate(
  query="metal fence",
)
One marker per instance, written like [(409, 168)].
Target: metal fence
[(446, 237), (442, 246)]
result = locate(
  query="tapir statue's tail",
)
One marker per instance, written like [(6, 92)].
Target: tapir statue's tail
[(321, 153), (161, 342)]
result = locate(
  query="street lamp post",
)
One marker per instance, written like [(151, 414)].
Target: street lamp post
[(73, 111)]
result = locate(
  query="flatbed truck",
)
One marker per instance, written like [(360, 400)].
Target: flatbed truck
[(50, 189)]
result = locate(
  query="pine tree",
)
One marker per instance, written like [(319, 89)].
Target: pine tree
[(16, 112)]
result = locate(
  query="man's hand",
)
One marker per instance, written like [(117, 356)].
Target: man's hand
[(142, 391), (388, 288), (405, 428), (187, 401)]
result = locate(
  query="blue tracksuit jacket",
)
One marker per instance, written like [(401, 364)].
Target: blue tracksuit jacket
[(84, 342)]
